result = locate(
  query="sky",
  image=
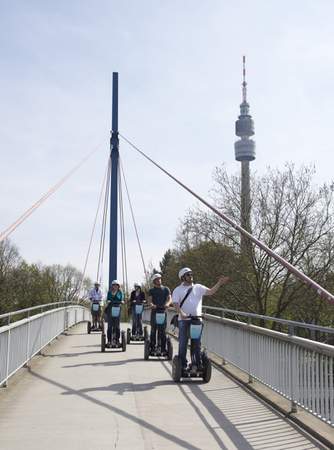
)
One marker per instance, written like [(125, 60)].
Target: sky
[(180, 74)]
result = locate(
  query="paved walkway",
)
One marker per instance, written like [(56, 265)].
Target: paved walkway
[(77, 398)]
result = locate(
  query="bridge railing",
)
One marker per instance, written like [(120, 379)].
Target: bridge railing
[(22, 340), (299, 369)]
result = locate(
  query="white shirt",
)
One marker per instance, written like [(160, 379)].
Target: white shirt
[(95, 295), (193, 303)]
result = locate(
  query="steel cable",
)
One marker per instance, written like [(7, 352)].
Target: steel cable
[(134, 223), (322, 292), (9, 230)]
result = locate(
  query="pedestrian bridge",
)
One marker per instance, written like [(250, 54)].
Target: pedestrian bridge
[(72, 396)]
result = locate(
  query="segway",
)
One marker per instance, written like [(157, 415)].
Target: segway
[(136, 336), (96, 309), (192, 370), (149, 350), (115, 313)]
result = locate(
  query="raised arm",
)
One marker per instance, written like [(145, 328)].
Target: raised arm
[(221, 280)]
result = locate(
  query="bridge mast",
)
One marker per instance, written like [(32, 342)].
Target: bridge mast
[(114, 156)]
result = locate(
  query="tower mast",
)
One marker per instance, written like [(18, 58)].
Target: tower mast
[(114, 156), (245, 152)]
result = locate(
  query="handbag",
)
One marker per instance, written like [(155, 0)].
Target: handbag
[(175, 319)]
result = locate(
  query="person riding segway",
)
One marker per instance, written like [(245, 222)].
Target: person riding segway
[(115, 299), (137, 301), (187, 299), (159, 300), (95, 297)]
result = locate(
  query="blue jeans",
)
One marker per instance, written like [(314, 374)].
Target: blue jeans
[(184, 333), (137, 327)]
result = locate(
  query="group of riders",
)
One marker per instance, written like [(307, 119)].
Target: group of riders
[(186, 298)]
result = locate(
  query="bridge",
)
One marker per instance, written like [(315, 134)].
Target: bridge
[(63, 392), (269, 390)]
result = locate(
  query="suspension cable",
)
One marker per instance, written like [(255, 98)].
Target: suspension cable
[(93, 228), (104, 226), (123, 246), (134, 223), (9, 230), (322, 292)]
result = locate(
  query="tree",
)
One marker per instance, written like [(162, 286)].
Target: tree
[(290, 215)]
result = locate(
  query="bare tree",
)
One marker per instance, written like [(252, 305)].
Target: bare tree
[(290, 215)]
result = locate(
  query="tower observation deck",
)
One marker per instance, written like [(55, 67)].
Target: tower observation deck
[(244, 127)]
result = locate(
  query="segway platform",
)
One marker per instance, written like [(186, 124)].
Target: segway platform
[(157, 352), (114, 344), (203, 371), (136, 337)]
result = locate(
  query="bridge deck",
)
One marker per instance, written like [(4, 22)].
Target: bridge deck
[(78, 398)]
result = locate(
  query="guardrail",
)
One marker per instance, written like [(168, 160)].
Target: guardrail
[(299, 369), (22, 340)]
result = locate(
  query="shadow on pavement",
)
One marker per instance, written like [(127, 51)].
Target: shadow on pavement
[(143, 423)]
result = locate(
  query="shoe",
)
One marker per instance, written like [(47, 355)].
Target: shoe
[(193, 370), (108, 345)]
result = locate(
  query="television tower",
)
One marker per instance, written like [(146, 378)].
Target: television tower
[(245, 152)]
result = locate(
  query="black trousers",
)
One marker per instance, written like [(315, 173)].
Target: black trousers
[(159, 330)]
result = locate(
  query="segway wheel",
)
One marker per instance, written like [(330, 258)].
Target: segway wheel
[(103, 342), (123, 341), (145, 334), (176, 369), (146, 349), (169, 349), (207, 368), (89, 327), (128, 336)]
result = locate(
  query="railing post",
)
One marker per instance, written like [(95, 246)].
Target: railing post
[(5, 384), (250, 378), (291, 332), (28, 342)]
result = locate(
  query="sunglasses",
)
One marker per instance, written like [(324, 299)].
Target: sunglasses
[(189, 274)]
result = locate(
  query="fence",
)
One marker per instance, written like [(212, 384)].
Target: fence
[(21, 340), (299, 369)]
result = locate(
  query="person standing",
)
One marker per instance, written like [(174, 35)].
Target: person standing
[(159, 299), (115, 297), (95, 297), (190, 294), (137, 297)]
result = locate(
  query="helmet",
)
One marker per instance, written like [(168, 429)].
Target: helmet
[(155, 276), (136, 285), (115, 282), (96, 283), (184, 271)]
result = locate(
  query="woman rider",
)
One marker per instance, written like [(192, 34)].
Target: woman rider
[(115, 297)]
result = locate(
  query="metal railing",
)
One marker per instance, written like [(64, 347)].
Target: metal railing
[(299, 369), (22, 340)]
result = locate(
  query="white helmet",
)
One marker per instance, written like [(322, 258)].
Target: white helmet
[(115, 282), (96, 283), (155, 276), (184, 271), (136, 285)]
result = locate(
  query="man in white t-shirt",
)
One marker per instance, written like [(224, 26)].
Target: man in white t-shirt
[(192, 306), (95, 297)]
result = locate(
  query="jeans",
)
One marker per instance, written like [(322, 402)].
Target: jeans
[(113, 328), (161, 329), (137, 327), (195, 346)]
